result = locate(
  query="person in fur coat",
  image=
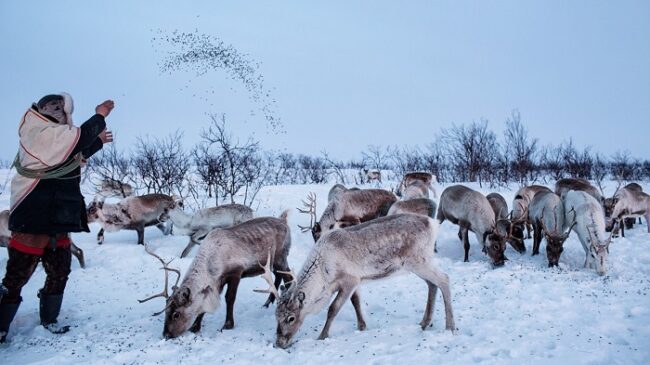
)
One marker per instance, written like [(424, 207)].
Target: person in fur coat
[(46, 202)]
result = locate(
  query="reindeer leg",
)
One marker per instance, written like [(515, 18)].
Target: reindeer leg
[(529, 228), (460, 233), (344, 293), (100, 236), (140, 230), (231, 295), (189, 247), (466, 244), (79, 254), (162, 227), (196, 327), (436, 278), (537, 239), (356, 303), (431, 300)]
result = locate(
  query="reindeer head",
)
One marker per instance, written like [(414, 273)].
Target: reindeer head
[(289, 315), (495, 246), (514, 234), (554, 241), (93, 210), (181, 311), (598, 252)]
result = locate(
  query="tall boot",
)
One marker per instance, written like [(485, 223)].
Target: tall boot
[(7, 313), (50, 306)]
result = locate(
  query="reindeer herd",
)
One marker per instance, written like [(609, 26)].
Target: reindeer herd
[(361, 235)]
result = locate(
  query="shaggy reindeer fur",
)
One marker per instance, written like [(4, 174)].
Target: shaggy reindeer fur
[(546, 212), (344, 259), (563, 186), (225, 257), (353, 207), (586, 211), (199, 224), (520, 203), (471, 211), (132, 213)]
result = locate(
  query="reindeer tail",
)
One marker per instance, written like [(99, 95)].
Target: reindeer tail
[(285, 215)]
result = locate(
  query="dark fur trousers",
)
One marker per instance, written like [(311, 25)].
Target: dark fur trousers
[(21, 266)]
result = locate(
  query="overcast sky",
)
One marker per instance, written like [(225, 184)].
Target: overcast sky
[(345, 74)]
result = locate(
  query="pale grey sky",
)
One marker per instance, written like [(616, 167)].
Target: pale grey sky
[(345, 74)]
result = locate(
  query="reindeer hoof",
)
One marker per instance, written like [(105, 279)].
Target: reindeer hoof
[(424, 325), (228, 325), (323, 336), (361, 326)]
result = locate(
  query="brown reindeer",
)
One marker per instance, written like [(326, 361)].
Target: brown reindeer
[(411, 178), (344, 259), (225, 257), (519, 215), (353, 207), (132, 213), (471, 211), (504, 226)]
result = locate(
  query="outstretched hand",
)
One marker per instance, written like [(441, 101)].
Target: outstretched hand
[(104, 109), (106, 136)]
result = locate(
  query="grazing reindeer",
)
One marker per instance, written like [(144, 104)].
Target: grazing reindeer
[(609, 203), (628, 203), (335, 191), (563, 186), (471, 211), (504, 226), (343, 259), (522, 199), (372, 175), (132, 213), (5, 236), (199, 224), (547, 210), (583, 209), (353, 207), (225, 256), (423, 177)]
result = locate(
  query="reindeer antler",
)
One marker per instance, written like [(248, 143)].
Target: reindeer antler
[(310, 206), (167, 269), (268, 277)]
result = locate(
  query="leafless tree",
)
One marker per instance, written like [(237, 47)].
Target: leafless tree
[(162, 164), (312, 170), (599, 172), (374, 157), (113, 166), (337, 167), (622, 167), (234, 162), (472, 149), (520, 149)]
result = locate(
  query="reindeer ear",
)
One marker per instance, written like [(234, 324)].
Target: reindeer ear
[(184, 296)]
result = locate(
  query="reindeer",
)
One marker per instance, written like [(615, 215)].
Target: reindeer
[(609, 203), (414, 190), (424, 178), (503, 224), (471, 211), (199, 224), (353, 207), (344, 259), (565, 185), (225, 256), (5, 236), (372, 175), (519, 215), (421, 206), (586, 211), (132, 213), (547, 210), (631, 204)]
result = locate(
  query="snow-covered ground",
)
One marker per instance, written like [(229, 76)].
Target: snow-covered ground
[(521, 313)]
